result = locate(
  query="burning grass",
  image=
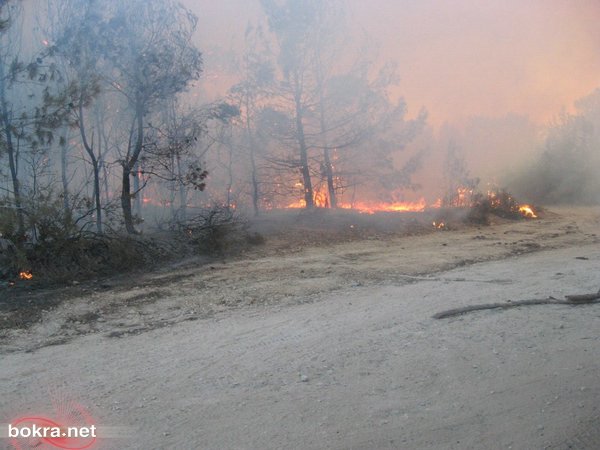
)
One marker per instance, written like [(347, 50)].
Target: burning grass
[(219, 233), (497, 202)]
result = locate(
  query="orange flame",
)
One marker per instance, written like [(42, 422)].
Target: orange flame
[(527, 211), (25, 275), (320, 199), (439, 225), (372, 208)]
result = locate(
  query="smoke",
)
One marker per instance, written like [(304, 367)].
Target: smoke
[(464, 58), (461, 58), (566, 168), (492, 75), (365, 110)]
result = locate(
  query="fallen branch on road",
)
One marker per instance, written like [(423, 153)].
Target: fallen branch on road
[(571, 300)]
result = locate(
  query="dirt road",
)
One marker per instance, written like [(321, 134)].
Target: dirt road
[(336, 348)]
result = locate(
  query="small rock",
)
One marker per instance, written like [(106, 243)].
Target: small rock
[(303, 378)]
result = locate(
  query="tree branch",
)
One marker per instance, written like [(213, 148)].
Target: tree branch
[(571, 300)]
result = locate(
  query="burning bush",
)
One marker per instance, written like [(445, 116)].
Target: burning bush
[(499, 203)]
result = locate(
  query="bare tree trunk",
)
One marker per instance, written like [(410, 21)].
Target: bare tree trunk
[(326, 156), (102, 152), (105, 179), (327, 166), (128, 164), (63, 173), (304, 168), (182, 192), (329, 176), (97, 200), (137, 195), (126, 200), (254, 174), (255, 189), (89, 148), (10, 150), (229, 175), (173, 186)]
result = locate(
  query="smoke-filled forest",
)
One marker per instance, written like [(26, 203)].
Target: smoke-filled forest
[(299, 224), (117, 118), (105, 126), (110, 122)]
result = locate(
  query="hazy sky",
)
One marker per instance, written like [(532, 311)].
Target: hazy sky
[(459, 58)]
